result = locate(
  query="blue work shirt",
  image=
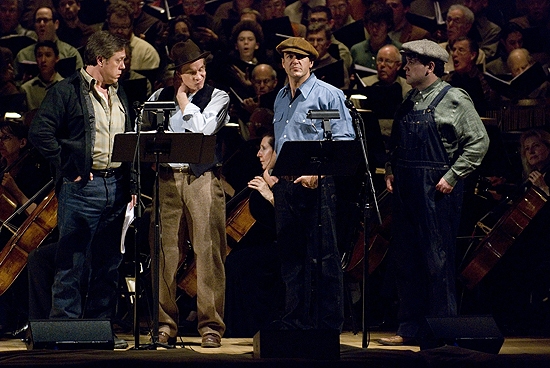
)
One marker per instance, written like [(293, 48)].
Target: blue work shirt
[(290, 120)]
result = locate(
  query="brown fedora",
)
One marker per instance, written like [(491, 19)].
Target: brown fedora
[(186, 52)]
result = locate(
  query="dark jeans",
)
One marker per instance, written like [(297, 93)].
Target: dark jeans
[(90, 220), (298, 242)]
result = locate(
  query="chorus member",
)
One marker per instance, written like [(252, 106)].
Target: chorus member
[(74, 130), (439, 125), (47, 56), (296, 200), (192, 200), (46, 22)]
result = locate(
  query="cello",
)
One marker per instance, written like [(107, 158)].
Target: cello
[(379, 241), (239, 221), (8, 204), (502, 236), (31, 234)]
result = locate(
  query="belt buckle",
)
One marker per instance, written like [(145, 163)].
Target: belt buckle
[(184, 169)]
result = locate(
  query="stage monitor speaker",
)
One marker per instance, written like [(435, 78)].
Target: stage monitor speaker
[(470, 332), (70, 334), (297, 344)]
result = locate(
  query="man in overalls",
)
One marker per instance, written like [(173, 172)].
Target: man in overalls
[(437, 139)]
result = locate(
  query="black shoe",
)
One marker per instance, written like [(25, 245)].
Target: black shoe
[(120, 343)]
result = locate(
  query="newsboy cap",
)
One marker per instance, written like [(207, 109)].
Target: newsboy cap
[(426, 48), (186, 52), (298, 46)]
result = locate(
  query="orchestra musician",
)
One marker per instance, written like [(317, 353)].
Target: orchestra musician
[(514, 290), (24, 173), (254, 289)]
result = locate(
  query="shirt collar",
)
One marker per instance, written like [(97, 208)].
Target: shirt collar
[(90, 82), (306, 87), (422, 94)]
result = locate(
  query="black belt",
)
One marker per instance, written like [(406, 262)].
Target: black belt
[(106, 173)]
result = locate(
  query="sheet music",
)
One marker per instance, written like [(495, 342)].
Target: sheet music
[(438, 16), (128, 219)]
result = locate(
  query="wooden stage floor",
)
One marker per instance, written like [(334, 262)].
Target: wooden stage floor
[(237, 352)]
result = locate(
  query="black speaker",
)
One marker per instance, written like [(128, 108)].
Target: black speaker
[(297, 344), (470, 332), (70, 334)]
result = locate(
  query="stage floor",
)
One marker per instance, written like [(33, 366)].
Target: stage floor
[(515, 352)]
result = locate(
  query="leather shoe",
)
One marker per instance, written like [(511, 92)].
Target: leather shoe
[(120, 343), (211, 340), (164, 338), (395, 340)]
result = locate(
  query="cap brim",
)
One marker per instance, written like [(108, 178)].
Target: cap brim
[(298, 51)]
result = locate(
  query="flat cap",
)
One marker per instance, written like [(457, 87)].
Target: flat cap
[(426, 48), (298, 46)]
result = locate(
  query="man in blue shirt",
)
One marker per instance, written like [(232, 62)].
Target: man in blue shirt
[(295, 201)]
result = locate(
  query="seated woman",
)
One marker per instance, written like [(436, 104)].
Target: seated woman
[(24, 171), (516, 290), (254, 290)]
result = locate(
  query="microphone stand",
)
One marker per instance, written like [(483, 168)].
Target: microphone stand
[(367, 216), (137, 223)]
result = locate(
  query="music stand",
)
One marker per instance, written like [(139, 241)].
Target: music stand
[(160, 147), (340, 158)]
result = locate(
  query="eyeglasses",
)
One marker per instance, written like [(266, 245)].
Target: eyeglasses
[(455, 20), (389, 63), (341, 7), (262, 81), (45, 20), (4, 138)]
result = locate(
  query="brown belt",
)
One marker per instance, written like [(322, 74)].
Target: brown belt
[(185, 169)]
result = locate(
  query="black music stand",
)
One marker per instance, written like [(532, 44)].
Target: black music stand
[(160, 147), (339, 158)]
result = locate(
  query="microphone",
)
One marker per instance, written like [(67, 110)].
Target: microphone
[(351, 107), (138, 105)]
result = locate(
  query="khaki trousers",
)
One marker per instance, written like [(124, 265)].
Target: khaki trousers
[(195, 206)]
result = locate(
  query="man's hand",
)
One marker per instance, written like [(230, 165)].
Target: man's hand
[(443, 186), (249, 104), (389, 183), (181, 91), (307, 181)]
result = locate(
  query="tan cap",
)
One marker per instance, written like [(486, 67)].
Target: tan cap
[(298, 46), (426, 48)]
